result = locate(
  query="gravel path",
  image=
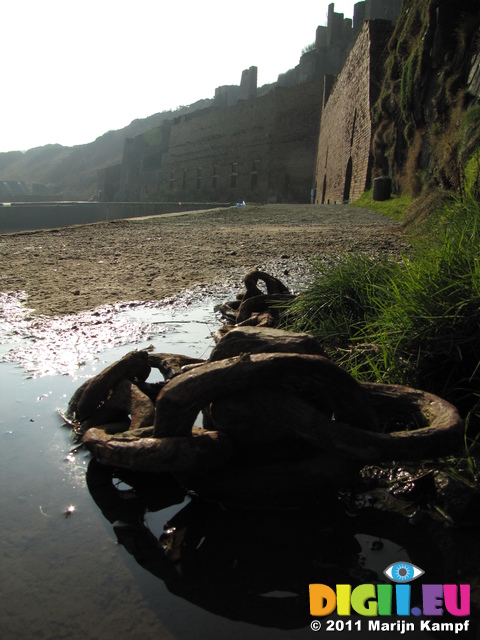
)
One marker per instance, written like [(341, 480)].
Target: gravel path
[(73, 269)]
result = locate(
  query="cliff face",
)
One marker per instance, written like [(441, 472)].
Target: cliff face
[(419, 119)]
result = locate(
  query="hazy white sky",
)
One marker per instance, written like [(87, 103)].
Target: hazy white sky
[(72, 71)]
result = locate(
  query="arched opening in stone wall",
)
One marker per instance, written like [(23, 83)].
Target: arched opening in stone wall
[(348, 180), (324, 188), (353, 128)]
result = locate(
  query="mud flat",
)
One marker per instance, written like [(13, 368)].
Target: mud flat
[(73, 269)]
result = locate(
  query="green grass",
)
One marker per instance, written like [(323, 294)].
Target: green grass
[(394, 208), (412, 321)]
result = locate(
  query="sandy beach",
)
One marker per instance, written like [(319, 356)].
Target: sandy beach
[(72, 269)]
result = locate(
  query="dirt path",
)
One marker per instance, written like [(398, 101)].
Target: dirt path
[(77, 268)]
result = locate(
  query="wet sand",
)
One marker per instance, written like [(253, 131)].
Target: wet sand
[(77, 268)]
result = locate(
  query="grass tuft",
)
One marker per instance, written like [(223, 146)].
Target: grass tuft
[(412, 321)]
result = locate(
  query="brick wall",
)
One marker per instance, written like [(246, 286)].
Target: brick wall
[(344, 157)]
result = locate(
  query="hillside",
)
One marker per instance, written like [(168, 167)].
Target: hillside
[(72, 171)]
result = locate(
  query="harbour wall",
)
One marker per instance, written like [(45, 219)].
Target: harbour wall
[(18, 216)]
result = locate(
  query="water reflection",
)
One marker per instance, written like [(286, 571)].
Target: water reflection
[(45, 345), (251, 565)]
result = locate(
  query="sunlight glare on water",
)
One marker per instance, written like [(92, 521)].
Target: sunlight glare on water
[(56, 548), (45, 345), (69, 569)]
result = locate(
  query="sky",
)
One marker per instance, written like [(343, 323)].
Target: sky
[(71, 71)]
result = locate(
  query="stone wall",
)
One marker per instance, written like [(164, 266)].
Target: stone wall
[(18, 217), (382, 9), (294, 142), (343, 169), (109, 183), (258, 150), (261, 145), (248, 84)]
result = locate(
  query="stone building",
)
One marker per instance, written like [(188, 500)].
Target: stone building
[(334, 41), (251, 144), (260, 149), (344, 159)]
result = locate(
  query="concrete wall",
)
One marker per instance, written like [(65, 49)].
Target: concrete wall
[(343, 169), (31, 217)]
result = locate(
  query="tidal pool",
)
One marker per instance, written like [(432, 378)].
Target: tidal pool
[(87, 560)]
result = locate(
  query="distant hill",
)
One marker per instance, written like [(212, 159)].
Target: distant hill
[(71, 172)]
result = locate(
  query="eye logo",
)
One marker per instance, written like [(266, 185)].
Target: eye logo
[(403, 572), (381, 599)]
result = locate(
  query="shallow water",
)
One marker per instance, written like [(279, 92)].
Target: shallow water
[(65, 576), (63, 573)]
